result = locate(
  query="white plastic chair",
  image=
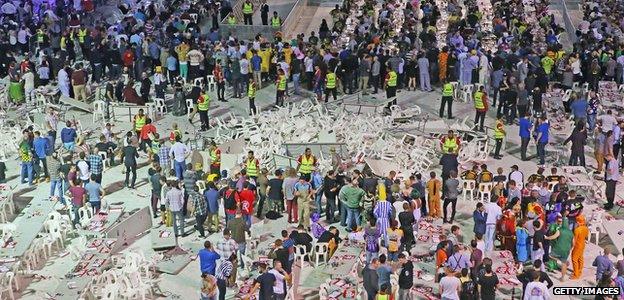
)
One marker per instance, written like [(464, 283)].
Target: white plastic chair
[(5, 284), (594, 231), (84, 215), (198, 81), (194, 17), (54, 234), (585, 87), (201, 185), (189, 107), (300, 253), (321, 250), (161, 108), (110, 292), (455, 85), (551, 185), (566, 96), (98, 110), (485, 191), (468, 187), (105, 159), (212, 83)]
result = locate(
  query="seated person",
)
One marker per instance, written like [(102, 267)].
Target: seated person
[(331, 237), (301, 237)]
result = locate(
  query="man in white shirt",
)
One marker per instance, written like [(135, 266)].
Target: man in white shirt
[(608, 121), (278, 289), (179, 152), (517, 176), (494, 213), (450, 286), (536, 290)]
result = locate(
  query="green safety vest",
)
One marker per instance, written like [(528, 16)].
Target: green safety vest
[(231, 20), (478, 100), (276, 22), (213, 157), (82, 33), (499, 134), (247, 8), (448, 90), (203, 106), (139, 122), (40, 36), (306, 164), (251, 167), (392, 81), (251, 91), (449, 145), (282, 83), (331, 80)]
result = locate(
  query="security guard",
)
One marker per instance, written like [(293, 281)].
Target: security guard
[(330, 85), (251, 93), (139, 121), (281, 88), (307, 163), (248, 11), (276, 21), (391, 83), (499, 135), (447, 99), (215, 159), (82, 34), (252, 165), (203, 103), (481, 107), (231, 20), (450, 143)]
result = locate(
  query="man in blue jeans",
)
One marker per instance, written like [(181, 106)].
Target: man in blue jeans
[(542, 138), (26, 157), (317, 185), (175, 199), (179, 152), (351, 196)]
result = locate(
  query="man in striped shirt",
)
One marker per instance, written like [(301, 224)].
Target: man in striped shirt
[(223, 274)]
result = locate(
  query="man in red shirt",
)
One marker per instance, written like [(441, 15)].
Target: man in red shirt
[(147, 132), (247, 199), (128, 58)]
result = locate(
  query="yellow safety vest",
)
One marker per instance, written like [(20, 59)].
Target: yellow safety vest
[(478, 100), (213, 157), (331, 80), (40, 36), (63, 43), (450, 145), (282, 83), (276, 22), (82, 33), (499, 133), (448, 90), (139, 122), (205, 104), (251, 91), (247, 8), (392, 81), (231, 20), (306, 164), (251, 167)]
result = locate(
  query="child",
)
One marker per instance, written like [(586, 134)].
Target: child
[(209, 287)]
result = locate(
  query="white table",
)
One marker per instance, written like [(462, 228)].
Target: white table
[(29, 223)]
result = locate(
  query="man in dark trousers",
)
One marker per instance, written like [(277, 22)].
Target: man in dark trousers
[(264, 13), (370, 277), (406, 277)]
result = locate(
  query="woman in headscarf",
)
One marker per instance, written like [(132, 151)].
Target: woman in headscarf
[(316, 227)]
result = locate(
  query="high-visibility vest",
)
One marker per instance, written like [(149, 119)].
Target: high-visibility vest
[(251, 91), (448, 90), (40, 36), (251, 167), (449, 145), (306, 164), (478, 100), (331, 80), (82, 33), (139, 122), (214, 159), (499, 132), (276, 22), (204, 104), (231, 20), (247, 8), (392, 81), (281, 86)]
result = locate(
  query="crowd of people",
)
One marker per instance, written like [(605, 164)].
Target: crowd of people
[(389, 47)]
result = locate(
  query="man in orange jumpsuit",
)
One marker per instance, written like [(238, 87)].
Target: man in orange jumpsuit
[(578, 248)]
